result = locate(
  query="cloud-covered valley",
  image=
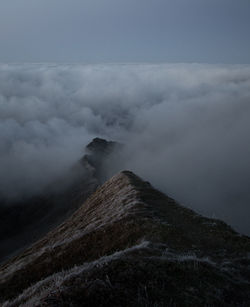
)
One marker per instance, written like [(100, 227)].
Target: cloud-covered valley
[(185, 126)]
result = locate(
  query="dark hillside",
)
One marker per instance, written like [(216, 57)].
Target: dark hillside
[(23, 222), (131, 245)]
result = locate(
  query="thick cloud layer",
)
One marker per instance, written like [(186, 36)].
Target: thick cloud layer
[(186, 127)]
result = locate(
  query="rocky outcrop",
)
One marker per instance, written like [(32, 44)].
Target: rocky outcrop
[(97, 152), (25, 221), (131, 245)]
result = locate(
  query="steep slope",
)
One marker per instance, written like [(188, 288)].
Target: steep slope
[(131, 245), (24, 221)]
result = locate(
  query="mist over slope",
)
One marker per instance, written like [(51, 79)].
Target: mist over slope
[(185, 126)]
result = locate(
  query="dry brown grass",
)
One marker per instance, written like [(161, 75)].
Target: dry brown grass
[(119, 215)]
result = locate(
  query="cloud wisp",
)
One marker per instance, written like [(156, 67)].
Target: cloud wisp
[(185, 127)]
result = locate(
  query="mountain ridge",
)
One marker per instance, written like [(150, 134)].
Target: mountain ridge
[(127, 229), (24, 221)]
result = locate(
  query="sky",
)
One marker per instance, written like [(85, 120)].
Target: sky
[(97, 31), (185, 124)]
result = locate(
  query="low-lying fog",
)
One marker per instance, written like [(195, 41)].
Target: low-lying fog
[(186, 127)]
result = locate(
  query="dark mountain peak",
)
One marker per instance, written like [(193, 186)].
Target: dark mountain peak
[(100, 146), (131, 245), (97, 151), (25, 221)]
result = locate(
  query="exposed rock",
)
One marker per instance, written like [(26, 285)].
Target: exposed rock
[(131, 245), (97, 152), (25, 221)]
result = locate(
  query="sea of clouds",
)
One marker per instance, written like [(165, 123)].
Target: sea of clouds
[(186, 128)]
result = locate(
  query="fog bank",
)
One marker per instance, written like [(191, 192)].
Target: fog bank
[(186, 127)]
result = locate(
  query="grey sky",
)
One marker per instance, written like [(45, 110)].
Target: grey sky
[(213, 31)]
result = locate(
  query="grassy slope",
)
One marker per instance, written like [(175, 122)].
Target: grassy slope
[(188, 260)]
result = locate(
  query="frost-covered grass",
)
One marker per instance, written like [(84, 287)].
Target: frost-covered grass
[(103, 236), (187, 257), (55, 282), (146, 252), (111, 203)]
